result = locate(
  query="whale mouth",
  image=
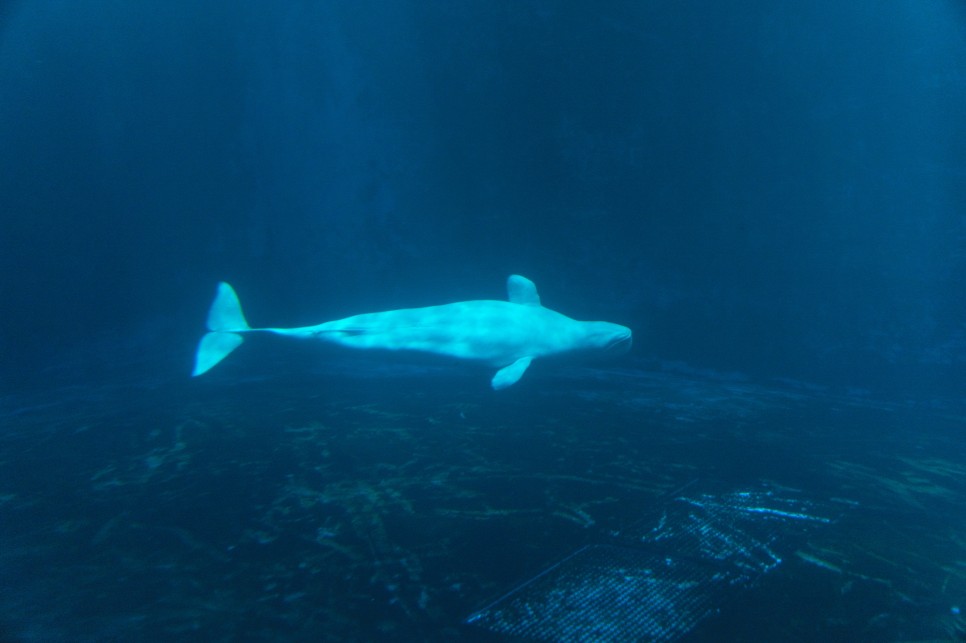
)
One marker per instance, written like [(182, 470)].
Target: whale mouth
[(620, 344)]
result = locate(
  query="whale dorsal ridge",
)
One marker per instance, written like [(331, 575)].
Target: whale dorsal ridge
[(521, 290)]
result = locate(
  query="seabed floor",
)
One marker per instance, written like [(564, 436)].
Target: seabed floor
[(635, 504)]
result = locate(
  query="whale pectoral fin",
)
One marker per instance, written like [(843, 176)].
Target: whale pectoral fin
[(510, 375), (520, 290)]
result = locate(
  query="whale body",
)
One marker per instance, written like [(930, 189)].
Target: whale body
[(507, 335)]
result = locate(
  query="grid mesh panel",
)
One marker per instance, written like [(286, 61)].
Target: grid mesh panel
[(659, 583)]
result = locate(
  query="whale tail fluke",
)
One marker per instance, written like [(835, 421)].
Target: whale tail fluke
[(225, 322)]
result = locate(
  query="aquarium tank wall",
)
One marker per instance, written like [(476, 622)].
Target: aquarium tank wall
[(774, 189)]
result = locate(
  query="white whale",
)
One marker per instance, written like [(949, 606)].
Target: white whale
[(507, 335)]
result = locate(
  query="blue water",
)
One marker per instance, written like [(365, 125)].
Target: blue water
[(769, 195)]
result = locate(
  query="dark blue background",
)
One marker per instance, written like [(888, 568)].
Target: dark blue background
[(776, 188)]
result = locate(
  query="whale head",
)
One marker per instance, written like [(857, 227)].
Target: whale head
[(612, 339)]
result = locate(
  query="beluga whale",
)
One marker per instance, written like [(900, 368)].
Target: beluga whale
[(506, 335)]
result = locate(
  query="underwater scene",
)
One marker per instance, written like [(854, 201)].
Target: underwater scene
[(526, 321)]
